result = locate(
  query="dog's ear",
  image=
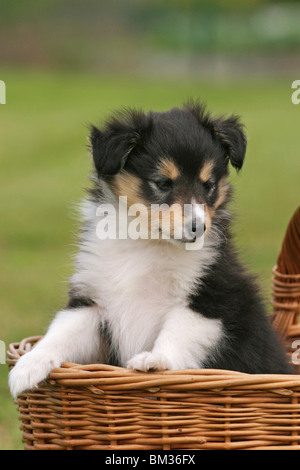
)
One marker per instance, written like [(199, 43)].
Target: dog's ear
[(229, 132), (112, 146), (231, 135)]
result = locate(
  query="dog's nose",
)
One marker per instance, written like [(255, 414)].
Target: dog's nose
[(194, 229), (194, 224), (198, 226)]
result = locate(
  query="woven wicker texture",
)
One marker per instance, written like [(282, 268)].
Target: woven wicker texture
[(104, 407), (286, 285)]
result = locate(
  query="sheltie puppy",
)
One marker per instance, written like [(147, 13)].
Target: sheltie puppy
[(149, 297)]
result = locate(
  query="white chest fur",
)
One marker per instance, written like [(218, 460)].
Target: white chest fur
[(136, 283), (141, 289)]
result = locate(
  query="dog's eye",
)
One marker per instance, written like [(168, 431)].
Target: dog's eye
[(209, 186), (164, 184)]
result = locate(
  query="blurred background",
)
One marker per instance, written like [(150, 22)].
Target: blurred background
[(70, 63)]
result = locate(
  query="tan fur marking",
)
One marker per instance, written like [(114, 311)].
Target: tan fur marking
[(223, 188), (209, 213), (169, 169), (206, 171), (125, 184), (170, 219)]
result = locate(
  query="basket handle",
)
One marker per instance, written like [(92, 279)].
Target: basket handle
[(286, 282)]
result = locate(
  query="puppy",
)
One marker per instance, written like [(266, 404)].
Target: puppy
[(150, 301)]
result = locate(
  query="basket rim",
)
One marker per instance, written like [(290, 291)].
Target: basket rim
[(100, 377), (277, 273)]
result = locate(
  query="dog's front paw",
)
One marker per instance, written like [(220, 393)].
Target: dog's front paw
[(29, 371), (147, 362)]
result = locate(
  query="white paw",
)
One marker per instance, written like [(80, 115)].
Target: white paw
[(147, 361), (29, 371)]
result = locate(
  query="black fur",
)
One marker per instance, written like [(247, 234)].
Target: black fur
[(77, 302), (112, 146), (231, 294), (229, 131), (106, 339)]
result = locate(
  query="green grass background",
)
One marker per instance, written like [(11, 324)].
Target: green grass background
[(44, 165)]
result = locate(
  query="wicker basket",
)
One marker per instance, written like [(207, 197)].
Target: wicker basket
[(103, 407), (110, 408)]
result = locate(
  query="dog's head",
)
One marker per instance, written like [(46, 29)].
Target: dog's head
[(177, 159)]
